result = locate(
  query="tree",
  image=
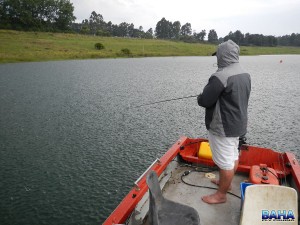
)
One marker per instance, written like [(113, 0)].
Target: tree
[(123, 29), (85, 28), (270, 41), (283, 40), (293, 39), (200, 36), (109, 27), (96, 22), (238, 37), (138, 33), (212, 36), (229, 36), (36, 14), (20, 14), (176, 30), (149, 34), (246, 39), (130, 30), (163, 29), (252, 39), (64, 14), (297, 40), (186, 30)]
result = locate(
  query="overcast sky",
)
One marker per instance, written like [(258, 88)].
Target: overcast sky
[(268, 17)]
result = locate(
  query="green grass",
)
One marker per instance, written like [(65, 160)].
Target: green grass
[(269, 50), (18, 46)]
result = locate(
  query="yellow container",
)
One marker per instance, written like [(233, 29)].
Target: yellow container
[(204, 151)]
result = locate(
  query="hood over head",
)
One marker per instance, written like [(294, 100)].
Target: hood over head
[(227, 53)]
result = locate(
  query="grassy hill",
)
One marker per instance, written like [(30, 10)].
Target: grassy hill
[(18, 46)]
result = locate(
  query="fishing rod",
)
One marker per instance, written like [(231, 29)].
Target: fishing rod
[(167, 100)]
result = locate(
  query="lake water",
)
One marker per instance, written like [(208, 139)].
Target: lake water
[(72, 143)]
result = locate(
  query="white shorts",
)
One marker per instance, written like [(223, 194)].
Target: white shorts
[(224, 150)]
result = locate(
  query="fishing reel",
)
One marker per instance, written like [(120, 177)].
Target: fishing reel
[(242, 141)]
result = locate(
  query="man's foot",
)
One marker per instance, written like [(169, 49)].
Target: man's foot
[(214, 198), (216, 182)]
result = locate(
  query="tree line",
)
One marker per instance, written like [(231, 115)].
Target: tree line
[(39, 15), (57, 16), (95, 25), (261, 40)]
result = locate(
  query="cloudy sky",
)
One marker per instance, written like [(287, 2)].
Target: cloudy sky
[(268, 17)]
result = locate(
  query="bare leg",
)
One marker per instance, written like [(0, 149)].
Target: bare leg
[(216, 181), (236, 163), (224, 183)]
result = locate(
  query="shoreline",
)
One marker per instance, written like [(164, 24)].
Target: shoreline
[(19, 46)]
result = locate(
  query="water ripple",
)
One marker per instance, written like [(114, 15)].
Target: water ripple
[(71, 145)]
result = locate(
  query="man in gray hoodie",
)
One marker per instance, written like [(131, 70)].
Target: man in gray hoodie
[(225, 99)]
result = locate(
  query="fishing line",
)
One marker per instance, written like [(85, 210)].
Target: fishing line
[(167, 100)]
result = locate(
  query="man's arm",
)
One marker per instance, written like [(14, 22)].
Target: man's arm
[(211, 93)]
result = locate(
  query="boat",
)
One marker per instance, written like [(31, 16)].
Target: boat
[(264, 189)]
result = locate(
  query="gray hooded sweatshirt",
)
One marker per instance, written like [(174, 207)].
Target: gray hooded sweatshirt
[(226, 95)]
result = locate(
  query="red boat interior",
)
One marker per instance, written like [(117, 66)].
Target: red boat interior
[(256, 165), (280, 163)]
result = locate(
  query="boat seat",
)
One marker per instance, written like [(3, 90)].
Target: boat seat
[(165, 212), (269, 204)]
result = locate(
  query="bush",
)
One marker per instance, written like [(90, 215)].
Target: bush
[(125, 51), (99, 46)]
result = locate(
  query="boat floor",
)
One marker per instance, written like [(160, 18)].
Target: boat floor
[(210, 214)]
